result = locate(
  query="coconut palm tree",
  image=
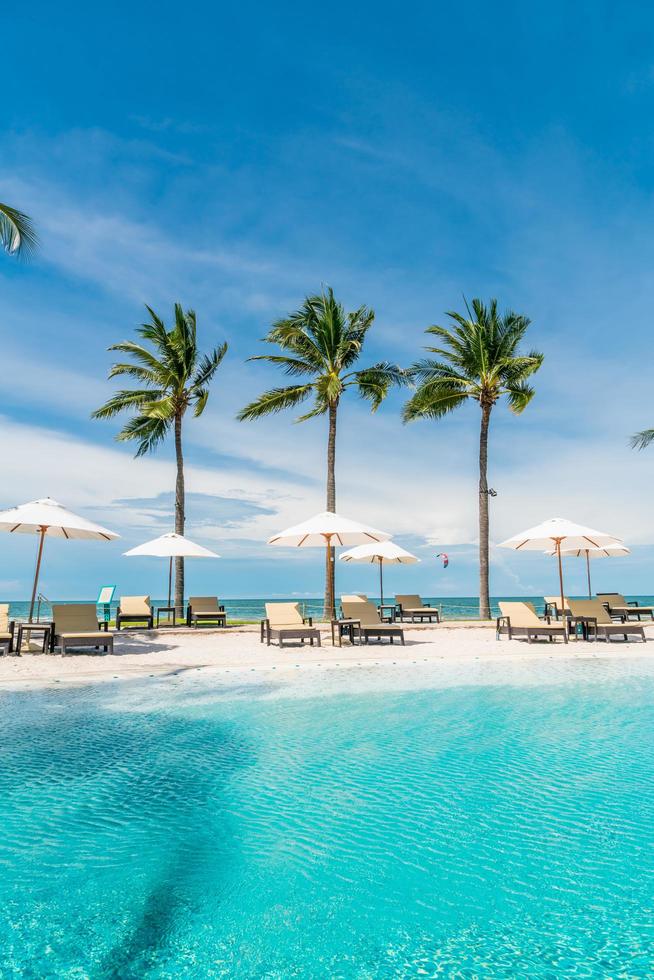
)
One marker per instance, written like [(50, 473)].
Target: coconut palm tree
[(17, 234), (173, 376), (477, 358), (320, 345)]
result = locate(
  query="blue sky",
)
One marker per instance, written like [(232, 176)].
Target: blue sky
[(236, 157)]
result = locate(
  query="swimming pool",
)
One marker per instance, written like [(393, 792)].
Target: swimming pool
[(433, 821)]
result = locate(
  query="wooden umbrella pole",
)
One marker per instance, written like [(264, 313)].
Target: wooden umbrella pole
[(565, 625), (39, 554), (332, 575), (170, 579), (590, 594), (381, 581)]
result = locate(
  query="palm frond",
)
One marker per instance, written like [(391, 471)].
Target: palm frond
[(294, 366), (641, 440), (208, 366), (17, 233), (426, 370), (162, 408), (375, 382), (144, 357), (155, 331), (124, 401), (519, 396), (433, 401), (519, 368), (319, 408), (275, 400), (149, 432), (200, 401), (147, 376)]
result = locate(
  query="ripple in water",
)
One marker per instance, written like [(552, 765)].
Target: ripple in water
[(186, 829)]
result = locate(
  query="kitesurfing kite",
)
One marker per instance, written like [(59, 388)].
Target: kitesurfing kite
[(446, 560)]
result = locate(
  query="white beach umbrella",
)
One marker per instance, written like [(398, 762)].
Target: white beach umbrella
[(327, 529), (611, 551), (382, 553), (170, 546), (46, 516), (557, 534)]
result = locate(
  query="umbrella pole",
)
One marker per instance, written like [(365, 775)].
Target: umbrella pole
[(39, 555), (170, 579), (381, 582), (590, 593), (563, 617), (331, 572)]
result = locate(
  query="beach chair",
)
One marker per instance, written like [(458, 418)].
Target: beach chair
[(205, 609), (134, 609), (284, 621), (356, 607), (520, 619), (7, 628), (621, 608), (413, 608), (553, 606), (596, 620), (76, 625)]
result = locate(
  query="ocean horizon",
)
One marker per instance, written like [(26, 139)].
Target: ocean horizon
[(253, 608)]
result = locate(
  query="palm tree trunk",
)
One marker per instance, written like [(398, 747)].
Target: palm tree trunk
[(179, 516), (331, 505), (484, 597)]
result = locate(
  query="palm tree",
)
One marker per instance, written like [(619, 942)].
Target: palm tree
[(173, 377), (17, 234), (477, 358), (320, 343), (641, 440)]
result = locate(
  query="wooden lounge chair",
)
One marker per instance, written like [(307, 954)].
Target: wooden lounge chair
[(76, 625), (284, 621), (134, 609), (621, 608), (205, 609), (520, 619), (553, 606), (7, 628), (358, 608), (413, 608), (596, 619)]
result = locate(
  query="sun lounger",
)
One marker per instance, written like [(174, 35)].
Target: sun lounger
[(412, 607), (620, 608), (596, 619), (134, 609), (7, 628), (284, 621), (354, 607), (76, 625), (205, 609), (520, 619), (553, 606)]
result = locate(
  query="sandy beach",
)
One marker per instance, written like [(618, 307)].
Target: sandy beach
[(164, 652)]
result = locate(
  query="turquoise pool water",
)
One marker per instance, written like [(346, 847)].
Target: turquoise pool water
[(246, 827)]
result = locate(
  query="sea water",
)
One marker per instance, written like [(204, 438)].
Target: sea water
[(451, 607), (481, 821)]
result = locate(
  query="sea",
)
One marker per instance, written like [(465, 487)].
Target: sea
[(252, 610)]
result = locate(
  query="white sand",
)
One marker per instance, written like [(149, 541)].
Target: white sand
[(160, 653)]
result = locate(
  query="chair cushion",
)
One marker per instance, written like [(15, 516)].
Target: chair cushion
[(135, 605)]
